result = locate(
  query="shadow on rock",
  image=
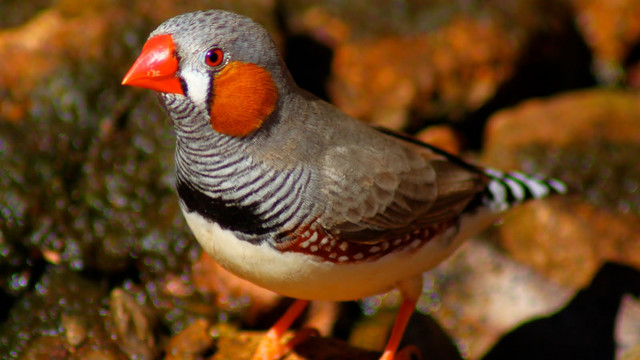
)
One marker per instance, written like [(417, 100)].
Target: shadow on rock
[(584, 329)]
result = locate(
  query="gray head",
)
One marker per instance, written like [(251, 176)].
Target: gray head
[(219, 62), (239, 37)]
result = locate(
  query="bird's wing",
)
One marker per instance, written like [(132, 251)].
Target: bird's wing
[(381, 188)]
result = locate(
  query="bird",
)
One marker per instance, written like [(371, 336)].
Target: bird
[(287, 191)]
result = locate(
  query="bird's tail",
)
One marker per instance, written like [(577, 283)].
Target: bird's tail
[(511, 188)]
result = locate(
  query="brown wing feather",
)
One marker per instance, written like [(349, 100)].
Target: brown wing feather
[(393, 188)]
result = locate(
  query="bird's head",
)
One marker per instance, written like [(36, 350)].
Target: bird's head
[(221, 62)]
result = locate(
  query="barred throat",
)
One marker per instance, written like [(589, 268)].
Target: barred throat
[(218, 180), (511, 188)]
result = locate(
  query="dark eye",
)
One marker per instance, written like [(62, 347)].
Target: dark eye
[(213, 57)]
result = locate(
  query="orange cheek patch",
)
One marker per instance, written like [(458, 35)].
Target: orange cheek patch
[(244, 96)]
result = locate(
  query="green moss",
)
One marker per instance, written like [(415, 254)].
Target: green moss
[(88, 174)]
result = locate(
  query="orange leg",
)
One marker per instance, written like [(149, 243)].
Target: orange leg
[(406, 309), (270, 346)]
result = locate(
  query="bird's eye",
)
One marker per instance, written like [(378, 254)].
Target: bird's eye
[(214, 57)]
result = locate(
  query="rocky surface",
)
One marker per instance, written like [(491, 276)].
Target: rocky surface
[(589, 138)]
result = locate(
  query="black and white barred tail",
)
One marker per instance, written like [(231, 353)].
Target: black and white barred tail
[(507, 189)]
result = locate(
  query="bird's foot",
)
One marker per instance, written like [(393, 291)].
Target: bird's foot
[(271, 346)]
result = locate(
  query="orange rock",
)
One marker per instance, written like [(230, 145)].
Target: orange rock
[(238, 345), (241, 345), (611, 29), (325, 27), (46, 347), (209, 277), (442, 136), (36, 49), (191, 342), (591, 139), (559, 121), (452, 70)]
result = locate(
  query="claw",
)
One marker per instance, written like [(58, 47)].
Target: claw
[(271, 347), (402, 319)]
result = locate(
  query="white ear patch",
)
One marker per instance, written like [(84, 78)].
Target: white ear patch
[(198, 85)]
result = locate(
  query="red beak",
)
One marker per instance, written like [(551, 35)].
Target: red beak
[(156, 67)]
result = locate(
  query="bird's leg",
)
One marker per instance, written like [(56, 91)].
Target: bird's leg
[(271, 347), (406, 309), (410, 290)]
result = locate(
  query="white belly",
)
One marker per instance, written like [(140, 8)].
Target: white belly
[(307, 277)]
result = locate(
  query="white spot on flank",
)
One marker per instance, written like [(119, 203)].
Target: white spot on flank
[(414, 244), (358, 256), (385, 245), (306, 234), (374, 249), (322, 278), (324, 241), (313, 248), (313, 237), (344, 246), (304, 245)]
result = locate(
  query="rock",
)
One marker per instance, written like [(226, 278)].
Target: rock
[(75, 330), (611, 30), (39, 47), (133, 325), (371, 332), (628, 329), (328, 348), (232, 294), (441, 136), (394, 64), (16, 15), (62, 318), (476, 296), (631, 354), (430, 72), (586, 116), (584, 328), (191, 343), (568, 242), (46, 348), (480, 293), (591, 140), (242, 345), (234, 345)]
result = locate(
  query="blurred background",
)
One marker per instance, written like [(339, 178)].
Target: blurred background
[(96, 261)]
